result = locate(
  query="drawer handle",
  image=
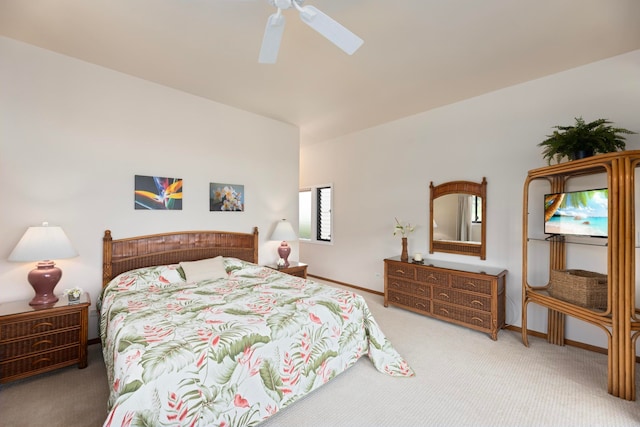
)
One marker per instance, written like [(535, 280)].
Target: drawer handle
[(421, 305), (477, 319), (40, 361), (477, 303), (41, 325), (421, 290), (471, 284), (396, 298), (396, 285), (42, 342), (400, 271), (432, 277), (444, 310), (442, 294)]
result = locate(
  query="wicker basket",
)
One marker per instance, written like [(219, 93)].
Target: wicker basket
[(580, 287)]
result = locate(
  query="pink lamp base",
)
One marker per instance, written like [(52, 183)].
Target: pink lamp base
[(44, 279), (284, 250)]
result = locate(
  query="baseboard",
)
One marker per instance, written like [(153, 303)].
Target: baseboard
[(349, 285), (571, 343)]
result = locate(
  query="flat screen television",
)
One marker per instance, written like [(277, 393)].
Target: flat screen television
[(577, 213)]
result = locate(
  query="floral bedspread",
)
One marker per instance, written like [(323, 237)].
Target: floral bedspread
[(231, 351)]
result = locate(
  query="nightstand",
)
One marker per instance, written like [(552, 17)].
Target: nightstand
[(34, 340), (298, 269)]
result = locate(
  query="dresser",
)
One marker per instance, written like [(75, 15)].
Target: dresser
[(35, 340), (467, 295)]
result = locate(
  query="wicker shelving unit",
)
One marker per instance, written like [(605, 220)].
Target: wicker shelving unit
[(620, 321)]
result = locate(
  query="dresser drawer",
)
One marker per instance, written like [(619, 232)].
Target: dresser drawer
[(471, 284), (417, 303), (25, 328), (403, 270), (466, 316), (412, 288), (38, 344), (464, 299), (39, 362), (436, 277)]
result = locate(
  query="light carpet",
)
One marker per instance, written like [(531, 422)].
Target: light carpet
[(463, 378)]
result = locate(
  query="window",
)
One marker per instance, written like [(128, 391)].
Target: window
[(315, 222)]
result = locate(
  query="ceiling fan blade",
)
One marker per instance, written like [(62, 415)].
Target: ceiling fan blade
[(271, 40), (330, 28)]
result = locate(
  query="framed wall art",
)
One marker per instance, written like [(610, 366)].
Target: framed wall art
[(158, 193), (226, 197)]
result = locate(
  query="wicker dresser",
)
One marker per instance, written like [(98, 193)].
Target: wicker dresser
[(36, 340), (466, 295)]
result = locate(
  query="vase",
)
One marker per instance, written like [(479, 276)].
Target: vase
[(405, 253)]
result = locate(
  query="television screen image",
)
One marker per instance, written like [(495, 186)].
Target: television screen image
[(578, 213)]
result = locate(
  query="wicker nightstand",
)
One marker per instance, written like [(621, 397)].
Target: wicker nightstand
[(35, 340), (295, 269)]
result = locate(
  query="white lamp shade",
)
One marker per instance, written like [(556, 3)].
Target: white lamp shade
[(43, 243), (284, 231)]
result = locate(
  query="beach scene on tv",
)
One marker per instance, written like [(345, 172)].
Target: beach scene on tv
[(580, 213)]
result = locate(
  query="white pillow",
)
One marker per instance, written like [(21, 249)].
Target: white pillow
[(206, 269)]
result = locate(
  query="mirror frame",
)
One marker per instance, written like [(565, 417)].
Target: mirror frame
[(454, 247)]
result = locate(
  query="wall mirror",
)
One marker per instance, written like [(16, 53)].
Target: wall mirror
[(458, 222)]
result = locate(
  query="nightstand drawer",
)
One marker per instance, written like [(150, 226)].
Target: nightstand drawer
[(38, 362), (38, 344), (29, 327)]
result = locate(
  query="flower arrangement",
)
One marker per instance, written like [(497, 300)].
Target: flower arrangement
[(73, 293), (403, 229), (230, 199)]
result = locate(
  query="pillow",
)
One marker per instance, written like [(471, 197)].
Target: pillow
[(206, 269)]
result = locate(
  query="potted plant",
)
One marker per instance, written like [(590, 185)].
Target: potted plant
[(583, 140)]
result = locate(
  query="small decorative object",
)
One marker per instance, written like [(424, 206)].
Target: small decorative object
[(156, 192), (417, 258), (403, 229), (281, 262), (73, 294), (226, 197), (283, 232), (583, 140)]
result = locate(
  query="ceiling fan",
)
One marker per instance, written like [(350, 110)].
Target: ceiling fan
[(319, 21)]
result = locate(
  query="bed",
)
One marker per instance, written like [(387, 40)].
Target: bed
[(196, 333)]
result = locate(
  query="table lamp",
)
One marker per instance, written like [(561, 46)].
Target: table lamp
[(43, 243), (283, 232)]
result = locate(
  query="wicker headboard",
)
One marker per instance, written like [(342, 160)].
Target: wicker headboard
[(170, 248)]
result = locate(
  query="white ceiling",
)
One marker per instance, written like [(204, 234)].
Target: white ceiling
[(417, 54)]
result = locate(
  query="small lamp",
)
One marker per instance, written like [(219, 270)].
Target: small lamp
[(284, 231), (43, 244)]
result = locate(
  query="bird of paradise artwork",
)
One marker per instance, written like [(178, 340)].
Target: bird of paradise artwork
[(158, 193)]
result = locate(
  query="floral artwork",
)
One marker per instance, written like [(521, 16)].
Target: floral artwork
[(226, 197), (158, 193)]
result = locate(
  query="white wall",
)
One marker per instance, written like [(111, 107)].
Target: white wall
[(73, 135), (384, 172)]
